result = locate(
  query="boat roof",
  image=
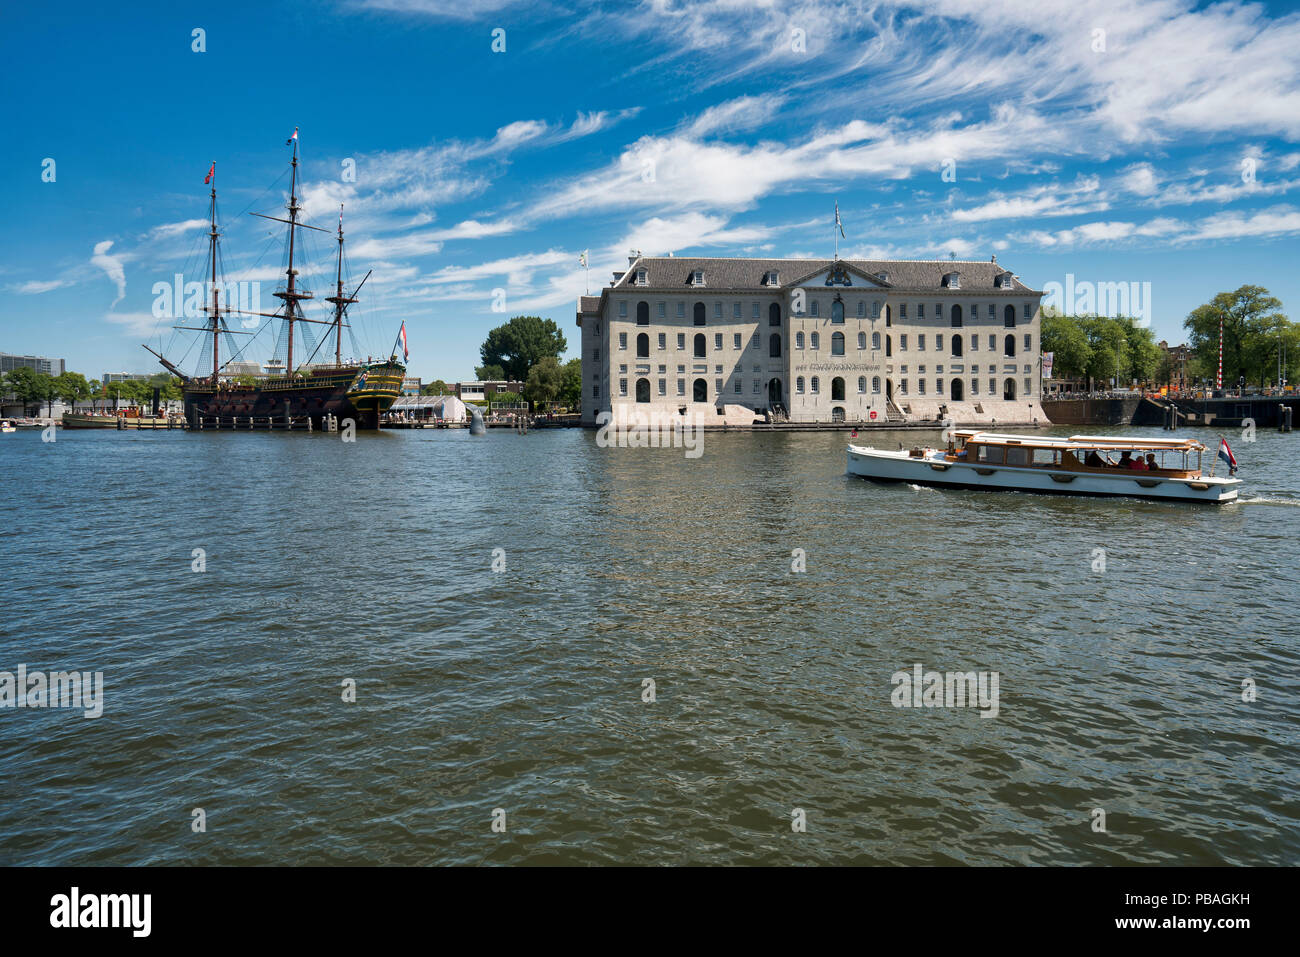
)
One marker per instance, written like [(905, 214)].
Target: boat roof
[(1116, 442)]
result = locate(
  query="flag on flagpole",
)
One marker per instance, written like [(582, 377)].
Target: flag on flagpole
[(406, 353), (211, 173), (582, 260), (292, 138), (1225, 453), (838, 225)]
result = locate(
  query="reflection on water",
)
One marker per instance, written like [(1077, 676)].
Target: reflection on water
[(523, 690)]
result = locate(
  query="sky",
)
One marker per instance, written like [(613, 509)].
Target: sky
[(480, 146)]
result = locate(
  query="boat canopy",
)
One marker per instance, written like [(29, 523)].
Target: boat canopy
[(1118, 443)]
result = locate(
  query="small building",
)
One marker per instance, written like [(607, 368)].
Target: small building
[(428, 408), (10, 362), (482, 391)]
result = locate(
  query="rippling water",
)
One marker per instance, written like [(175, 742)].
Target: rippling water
[(522, 690)]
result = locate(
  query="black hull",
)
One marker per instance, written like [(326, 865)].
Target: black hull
[(361, 395)]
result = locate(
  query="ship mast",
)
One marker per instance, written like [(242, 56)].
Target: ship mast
[(339, 300), (215, 310), (291, 296)]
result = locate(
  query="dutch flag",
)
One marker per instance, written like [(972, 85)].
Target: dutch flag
[(1225, 453), (406, 355)]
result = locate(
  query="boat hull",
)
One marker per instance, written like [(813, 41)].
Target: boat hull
[(360, 393), (933, 470)]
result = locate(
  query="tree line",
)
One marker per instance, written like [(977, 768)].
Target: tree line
[(33, 388), (1256, 334)]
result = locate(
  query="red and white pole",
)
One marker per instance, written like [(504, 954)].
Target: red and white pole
[(1218, 382)]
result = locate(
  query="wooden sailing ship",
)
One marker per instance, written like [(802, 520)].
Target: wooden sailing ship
[(309, 393)]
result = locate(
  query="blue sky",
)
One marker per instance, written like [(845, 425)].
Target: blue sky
[(1163, 150)]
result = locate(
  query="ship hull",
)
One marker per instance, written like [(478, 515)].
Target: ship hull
[(357, 393)]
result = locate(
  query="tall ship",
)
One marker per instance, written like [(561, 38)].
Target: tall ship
[(300, 387)]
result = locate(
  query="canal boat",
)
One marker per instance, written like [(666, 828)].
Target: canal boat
[(7, 426), (307, 387), (1079, 465)]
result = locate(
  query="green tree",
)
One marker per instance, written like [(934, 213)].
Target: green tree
[(96, 392), (571, 384), (1065, 337), (490, 373), (436, 387), (1143, 353), (545, 380), (72, 387), (1254, 330), (26, 386), (520, 344)]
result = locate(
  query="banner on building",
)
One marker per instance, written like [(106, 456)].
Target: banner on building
[(1047, 364)]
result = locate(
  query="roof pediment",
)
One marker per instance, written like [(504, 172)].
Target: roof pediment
[(841, 275)]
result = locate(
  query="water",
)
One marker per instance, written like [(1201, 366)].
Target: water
[(522, 690)]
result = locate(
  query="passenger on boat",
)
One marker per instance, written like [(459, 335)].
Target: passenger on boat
[(1126, 460), (1139, 463), (1094, 460), (1151, 461)]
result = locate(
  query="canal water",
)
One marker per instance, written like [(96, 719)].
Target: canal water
[(506, 606)]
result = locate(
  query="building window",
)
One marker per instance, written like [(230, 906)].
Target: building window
[(622, 340), (938, 387), (700, 391), (697, 278), (1029, 311), (595, 391), (920, 342), (920, 387), (993, 312), (595, 355), (837, 389), (663, 386), (889, 345), (814, 341), (1029, 341), (643, 390), (902, 343), (1009, 346), (920, 310), (798, 385), (816, 385), (717, 386), (875, 384), (717, 341), (956, 316), (699, 345), (902, 387), (902, 310), (837, 343), (681, 387), (1009, 390), (699, 313), (974, 386), (681, 310), (1028, 391), (1009, 317), (875, 340), (774, 314), (956, 346), (813, 308), (862, 309), (862, 384), (596, 329), (758, 310), (774, 345), (622, 308), (717, 309), (798, 340), (663, 340), (735, 340), (735, 310), (737, 389), (837, 312), (862, 340), (681, 340), (993, 343), (643, 346), (875, 310), (663, 310), (974, 342), (622, 387), (993, 386)]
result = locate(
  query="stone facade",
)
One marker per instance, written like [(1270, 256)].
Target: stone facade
[(814, 341)]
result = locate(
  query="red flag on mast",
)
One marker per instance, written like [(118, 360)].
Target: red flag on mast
[(406, 353), (211, 173)]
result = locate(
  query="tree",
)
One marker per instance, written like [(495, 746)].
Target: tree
[(490, 373), (26, 386), (545, 381), (1143, 353), (571, 384), (436, 387), (1254, 330), (520, 344), (1065, 337), (96, 392), (72, 387)]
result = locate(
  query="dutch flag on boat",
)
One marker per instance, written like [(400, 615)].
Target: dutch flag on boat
[(1225, 453), (402, 336)]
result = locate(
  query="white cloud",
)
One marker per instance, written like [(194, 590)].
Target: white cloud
[(35, 287), (112, 266)]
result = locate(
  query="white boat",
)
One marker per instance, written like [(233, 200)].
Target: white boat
[(1079, 465), (7, 426)]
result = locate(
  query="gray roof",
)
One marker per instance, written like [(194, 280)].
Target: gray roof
[(669, 273)]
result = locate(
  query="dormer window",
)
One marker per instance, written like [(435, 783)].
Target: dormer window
[(697, 277), (883, 276), (1005, 281), (640, 277), (952, 280), (772, 278)]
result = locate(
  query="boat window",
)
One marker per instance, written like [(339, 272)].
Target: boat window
[(1017, 456), (988, 453), (1045, 457)]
